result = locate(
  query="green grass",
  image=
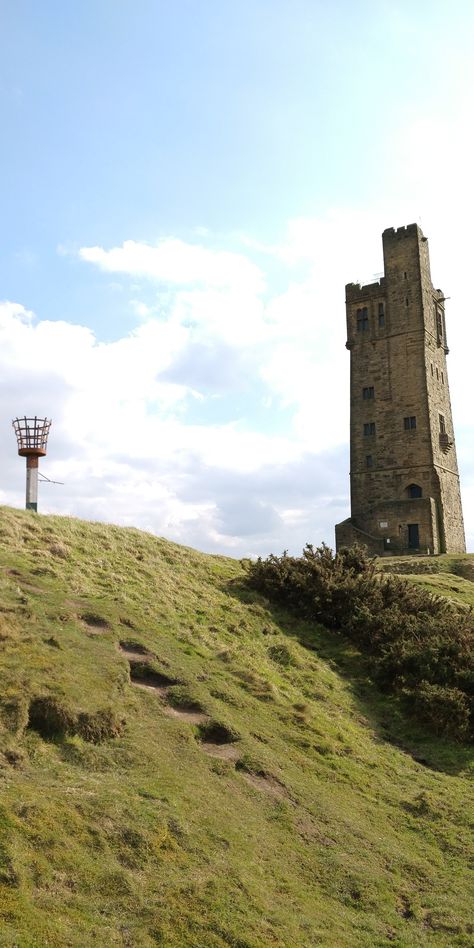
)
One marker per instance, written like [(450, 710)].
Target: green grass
[(333, 823), (450, 575)]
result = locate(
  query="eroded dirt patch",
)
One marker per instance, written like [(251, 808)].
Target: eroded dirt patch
[(135, 650), (266, 783), (224, 751), (94, 621), (186, 714), (215, 732), (145, 677), (218, 740)]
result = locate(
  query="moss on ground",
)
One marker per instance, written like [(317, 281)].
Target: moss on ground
[(249, 787)]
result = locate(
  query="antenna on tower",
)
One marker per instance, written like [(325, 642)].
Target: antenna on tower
[(32, 439)]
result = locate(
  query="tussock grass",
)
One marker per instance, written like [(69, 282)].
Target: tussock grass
[(331, 823)]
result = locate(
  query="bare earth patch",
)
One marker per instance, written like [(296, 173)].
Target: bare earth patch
[(266, 783), (148, 686), (192, 717), (134, 650), (94, 621), (144, 677), (224, 751)]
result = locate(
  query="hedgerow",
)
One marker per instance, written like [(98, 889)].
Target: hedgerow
[(419, 646)]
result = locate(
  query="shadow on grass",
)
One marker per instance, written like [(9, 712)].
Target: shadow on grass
[(387, 716)]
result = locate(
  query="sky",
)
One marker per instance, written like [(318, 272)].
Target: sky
[(186, 188)]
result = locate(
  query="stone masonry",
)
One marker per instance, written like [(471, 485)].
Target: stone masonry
[(405, 494)]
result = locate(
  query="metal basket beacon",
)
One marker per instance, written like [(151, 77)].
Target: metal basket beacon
[(32, 439)]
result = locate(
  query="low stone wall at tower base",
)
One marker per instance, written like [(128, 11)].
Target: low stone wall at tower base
[(347, 534), (385, 530)]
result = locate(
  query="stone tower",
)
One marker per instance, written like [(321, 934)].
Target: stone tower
[(405, 494)]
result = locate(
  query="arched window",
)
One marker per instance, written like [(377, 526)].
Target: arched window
[(414, 490)]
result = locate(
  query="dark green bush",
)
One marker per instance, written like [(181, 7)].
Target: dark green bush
[(418, 644), (445, 710)]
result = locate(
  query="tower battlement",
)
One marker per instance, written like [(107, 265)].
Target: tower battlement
[(399, 233), (405, 493), (362, 291)]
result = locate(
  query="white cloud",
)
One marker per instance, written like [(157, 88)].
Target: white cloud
[(125, 438), (174, 261), (120, 441)]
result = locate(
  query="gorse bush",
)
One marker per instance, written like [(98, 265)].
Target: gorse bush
[(419, 645)]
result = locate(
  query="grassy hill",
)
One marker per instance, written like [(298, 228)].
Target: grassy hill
[(182, 765), (450, 575)]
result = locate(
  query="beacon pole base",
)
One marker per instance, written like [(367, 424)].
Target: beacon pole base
[(31, 483)]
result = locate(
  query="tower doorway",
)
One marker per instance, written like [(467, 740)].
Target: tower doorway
[(413, 536)]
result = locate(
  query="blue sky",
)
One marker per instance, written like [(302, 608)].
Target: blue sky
[(258, 149)]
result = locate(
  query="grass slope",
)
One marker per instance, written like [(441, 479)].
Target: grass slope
[(260, 793), (450, 575)]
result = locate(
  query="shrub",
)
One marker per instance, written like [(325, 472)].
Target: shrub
[(417, 643), (446, 710)]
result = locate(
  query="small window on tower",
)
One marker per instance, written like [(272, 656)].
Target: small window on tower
[(409, 423), (406, 301), (442, 378), (442, 425), (368, 392), (432, 372), (369, 428), (362, 319), (381, 315), (437, 374), (414, 490), (439, 326), (405, 275), (369, 460)]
